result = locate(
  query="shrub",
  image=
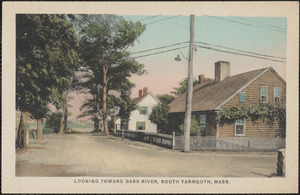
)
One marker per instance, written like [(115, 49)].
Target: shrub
[(53, 121), (195, 128)]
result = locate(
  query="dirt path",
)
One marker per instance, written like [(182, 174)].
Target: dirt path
[(89, 155)]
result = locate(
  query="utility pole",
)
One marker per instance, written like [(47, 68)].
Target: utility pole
[(189, 95)]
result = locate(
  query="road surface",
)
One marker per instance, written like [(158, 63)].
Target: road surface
[(94, 155)]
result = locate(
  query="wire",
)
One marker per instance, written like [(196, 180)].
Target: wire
[(162, 19), (240, 54), (149, 17), (260, 23), (245, 23), (242, 50), (158, 48), (159, 52)]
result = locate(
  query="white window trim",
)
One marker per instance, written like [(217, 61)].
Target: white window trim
[(240, 135), (245, 97), (279, 94), (261, 94)]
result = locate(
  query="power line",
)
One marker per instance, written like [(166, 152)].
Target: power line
[(242, 51), (163, 19), (260, 23), (149, 17), (160, 52), (244, 23), (159, 48), (240, 54)]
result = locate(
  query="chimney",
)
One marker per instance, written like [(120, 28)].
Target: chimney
[(222, 70), (145, 91), (201, 79), (140, 93)]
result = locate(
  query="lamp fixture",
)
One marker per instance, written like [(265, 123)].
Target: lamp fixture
[(177, 58)]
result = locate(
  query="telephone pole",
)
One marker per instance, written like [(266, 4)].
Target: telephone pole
[(189, 95)]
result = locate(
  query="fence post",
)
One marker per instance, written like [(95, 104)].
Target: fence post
[(122, 133), (281, 163), (173, 140)]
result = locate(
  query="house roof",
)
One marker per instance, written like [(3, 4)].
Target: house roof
[(212, 95), (139, 99)]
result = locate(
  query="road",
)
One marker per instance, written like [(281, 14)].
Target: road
[(94, 155)]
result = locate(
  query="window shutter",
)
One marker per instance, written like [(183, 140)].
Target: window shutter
[(137, 125), (146, 110), (144, 125)]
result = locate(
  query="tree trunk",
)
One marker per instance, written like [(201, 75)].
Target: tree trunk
[(98, 127), (63, 120), (40, 129), (23, 133), (66, 113), (104, 100), (115, 125)]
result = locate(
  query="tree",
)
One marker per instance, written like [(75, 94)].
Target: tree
[(104, 40), (166, 98), (159, 114), (183, 86), (45, 58), (53, 121)]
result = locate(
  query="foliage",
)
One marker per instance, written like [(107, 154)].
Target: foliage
[(183, 86), (195, 127), (269, 112), (159, 116), (53, 121), (166, 98), (45, 59), (104, 40)]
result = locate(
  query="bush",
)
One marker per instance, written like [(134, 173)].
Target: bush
[(53, 121), (195, 128)]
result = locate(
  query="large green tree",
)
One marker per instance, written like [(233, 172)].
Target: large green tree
[(104, 40), (159, 114), (46, 58)]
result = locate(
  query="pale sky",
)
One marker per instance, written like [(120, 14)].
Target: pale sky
[(260, 35)]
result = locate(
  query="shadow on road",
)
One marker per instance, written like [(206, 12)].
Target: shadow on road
[(264, 175)]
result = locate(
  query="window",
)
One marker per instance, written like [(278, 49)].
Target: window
[(203, 121), (263, 94), (144, 110), (277, 94), (242, 97), (240, 127), (140, 125)]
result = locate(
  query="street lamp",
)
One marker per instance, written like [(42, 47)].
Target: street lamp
[(178, 59)]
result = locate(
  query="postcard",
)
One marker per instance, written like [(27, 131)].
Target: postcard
[(150, 97)]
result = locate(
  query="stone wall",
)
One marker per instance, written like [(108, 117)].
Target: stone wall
[(250, 144), (231, 144)]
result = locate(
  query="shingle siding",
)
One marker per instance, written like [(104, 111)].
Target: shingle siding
[(260, 128)]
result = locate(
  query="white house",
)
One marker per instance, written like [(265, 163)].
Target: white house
[(139, 118)]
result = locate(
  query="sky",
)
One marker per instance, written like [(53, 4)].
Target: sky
[(262, 35)]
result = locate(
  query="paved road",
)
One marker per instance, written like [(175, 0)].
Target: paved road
[(92, 155)]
